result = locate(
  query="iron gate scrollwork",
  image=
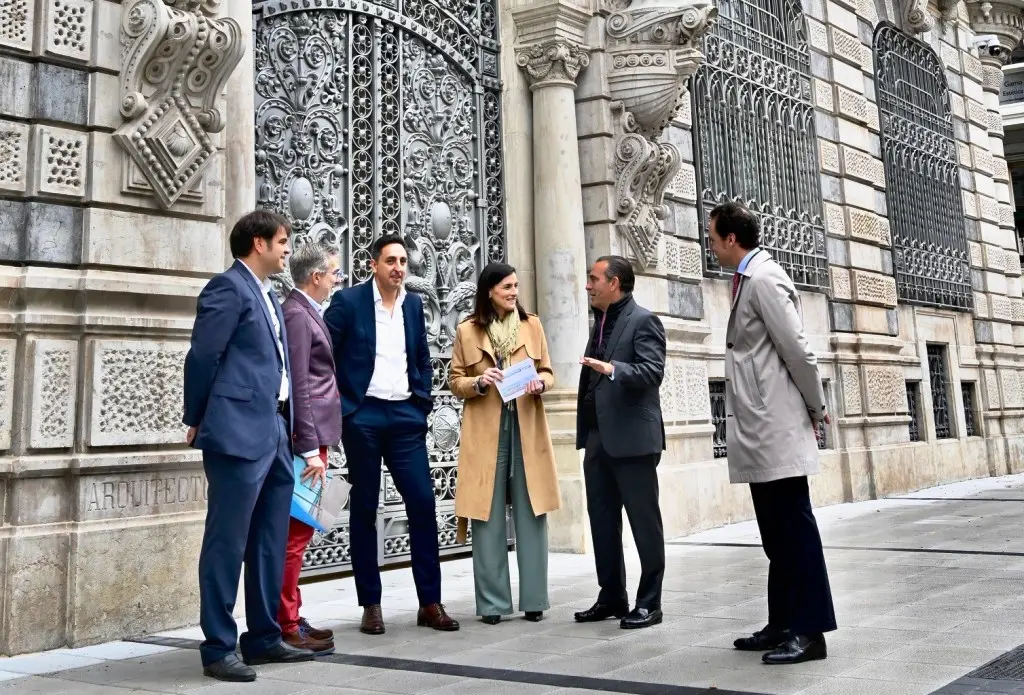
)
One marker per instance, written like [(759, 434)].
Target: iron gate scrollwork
[(930, 254), (754, 130), (378, 117)]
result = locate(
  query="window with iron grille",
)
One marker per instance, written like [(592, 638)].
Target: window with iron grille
[(913, 389), (939, 381), (754, 132), (967, 388), (930, 254), (717, 390)]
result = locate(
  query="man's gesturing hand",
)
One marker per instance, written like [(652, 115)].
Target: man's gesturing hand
[(597, 365)]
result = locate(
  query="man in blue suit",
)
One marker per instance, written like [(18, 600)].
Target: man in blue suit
[(237, 391), (384, 375)]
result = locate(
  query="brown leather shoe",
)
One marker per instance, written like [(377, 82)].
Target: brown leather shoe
[(435, 617), (305, 641), (373, 621), (325, 635)]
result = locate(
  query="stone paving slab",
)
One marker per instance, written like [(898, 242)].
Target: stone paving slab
[(927, 589)]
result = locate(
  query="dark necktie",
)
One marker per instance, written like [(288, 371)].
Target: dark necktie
[(735, 285), (600, 331)]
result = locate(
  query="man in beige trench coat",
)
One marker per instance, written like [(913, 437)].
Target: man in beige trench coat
[(774, 402)]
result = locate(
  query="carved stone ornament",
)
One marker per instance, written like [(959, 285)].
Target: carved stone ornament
[(553, 62), (916, 17), (653, 51), (175, 60), (999, 27)]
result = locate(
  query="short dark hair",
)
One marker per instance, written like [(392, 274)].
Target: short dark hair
[(619, 267), (387, 240), (737, 219), (262, 224), (491, 276)]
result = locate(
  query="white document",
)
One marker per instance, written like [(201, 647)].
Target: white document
[(516, 378)]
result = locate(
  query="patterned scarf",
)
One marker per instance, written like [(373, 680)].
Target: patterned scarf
[(504, 335)]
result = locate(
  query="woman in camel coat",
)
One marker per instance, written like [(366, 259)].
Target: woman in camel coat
[(506, 451)]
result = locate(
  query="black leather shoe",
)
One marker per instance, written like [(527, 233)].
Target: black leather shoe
[(763, 640), (491, 619), (601, 611), (230, 669), (641, 617), (283, 653), (534, 616), (797, 649)]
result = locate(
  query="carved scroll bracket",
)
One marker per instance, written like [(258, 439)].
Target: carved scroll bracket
[(916, 17), (175, 59), (653, 48)]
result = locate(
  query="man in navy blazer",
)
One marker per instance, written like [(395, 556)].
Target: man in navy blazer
[(237, 391), (384, 375)]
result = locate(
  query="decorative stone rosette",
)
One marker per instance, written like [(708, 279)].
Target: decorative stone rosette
[(652, 48), (176, 59)]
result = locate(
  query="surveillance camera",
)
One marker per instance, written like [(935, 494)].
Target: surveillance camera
[(985, 41)]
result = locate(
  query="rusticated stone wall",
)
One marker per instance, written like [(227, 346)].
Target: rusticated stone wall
[(102, 503)]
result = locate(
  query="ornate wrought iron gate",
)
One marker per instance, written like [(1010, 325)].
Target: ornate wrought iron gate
[(376, 117)]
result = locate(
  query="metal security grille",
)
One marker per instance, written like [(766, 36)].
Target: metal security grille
[(755, 138), (377, 117), (967, 389), (930, 253), (915, 419), (940, 390), (718, 417)]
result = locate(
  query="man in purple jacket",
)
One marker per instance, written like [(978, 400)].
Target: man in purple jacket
[(316, 407)]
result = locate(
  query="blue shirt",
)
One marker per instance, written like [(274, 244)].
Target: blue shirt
[(746, 259)]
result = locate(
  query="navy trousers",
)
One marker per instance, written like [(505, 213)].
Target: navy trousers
[(246, 521), (395, 431), (799, 597)]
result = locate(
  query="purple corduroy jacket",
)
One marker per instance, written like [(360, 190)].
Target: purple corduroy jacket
[(316, 403)]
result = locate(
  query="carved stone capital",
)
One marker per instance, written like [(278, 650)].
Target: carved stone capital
[(555, 62), (999, 27), (654, 50), (176, 58), (916, 17)]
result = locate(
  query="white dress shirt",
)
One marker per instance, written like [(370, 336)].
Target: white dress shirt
[(390, 380), (282, 394)]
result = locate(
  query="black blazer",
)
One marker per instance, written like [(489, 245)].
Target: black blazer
[(628, 408), (352, 321)]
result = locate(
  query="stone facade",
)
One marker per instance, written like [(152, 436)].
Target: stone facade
[(112, 201), (124, 155)]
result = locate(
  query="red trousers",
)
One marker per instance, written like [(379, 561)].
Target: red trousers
[(299, 535)]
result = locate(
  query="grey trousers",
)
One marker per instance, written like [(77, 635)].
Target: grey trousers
[(490, 541)]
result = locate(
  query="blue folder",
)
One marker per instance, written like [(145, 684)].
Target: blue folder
[(304, 497)]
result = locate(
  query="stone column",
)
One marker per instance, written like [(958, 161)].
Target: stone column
[(551, 52), (560, 252)]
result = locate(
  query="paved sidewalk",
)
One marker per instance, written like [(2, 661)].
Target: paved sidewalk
[(928, 588)]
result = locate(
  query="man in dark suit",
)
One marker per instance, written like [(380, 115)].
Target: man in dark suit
[(384, 374), (316, 410), (774, 402), (237, 390), (619, 425)]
